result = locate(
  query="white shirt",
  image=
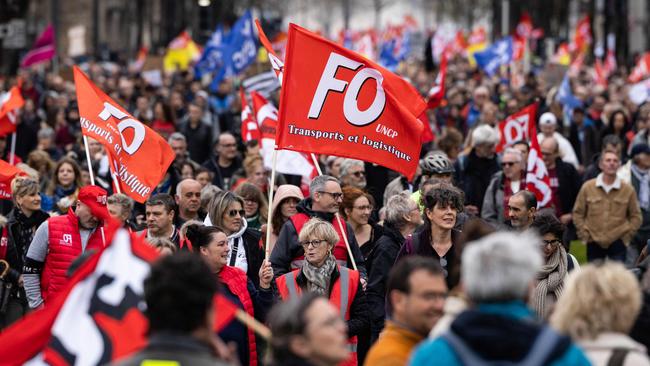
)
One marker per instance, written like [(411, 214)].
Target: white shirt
[(515, 185), (608, 188)]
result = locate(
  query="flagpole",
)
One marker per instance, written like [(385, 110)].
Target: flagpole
[(338, 218), (12, 157), (90, 165), (267, 247), (115, 181)]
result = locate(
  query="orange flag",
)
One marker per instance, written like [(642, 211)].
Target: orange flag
[(9, 103), (140, 157)]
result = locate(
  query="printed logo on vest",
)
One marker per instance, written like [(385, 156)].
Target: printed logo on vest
[(101, 200), (67, 240), (3, 242)]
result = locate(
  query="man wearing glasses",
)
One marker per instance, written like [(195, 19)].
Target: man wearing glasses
[(504, 184), (325, 198), (353, 174)]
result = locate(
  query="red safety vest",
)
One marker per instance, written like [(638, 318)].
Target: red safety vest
[(237, 282), (343, 293), (340, 251), (64, 246)]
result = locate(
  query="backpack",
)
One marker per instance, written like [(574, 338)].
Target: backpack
[(545, 343)]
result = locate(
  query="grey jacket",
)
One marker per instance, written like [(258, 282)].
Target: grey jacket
[(493, 211)]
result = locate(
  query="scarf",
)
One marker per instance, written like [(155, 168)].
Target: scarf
[(550, 279), (644, 186), (318, 278), (26, 229), (60, 192)]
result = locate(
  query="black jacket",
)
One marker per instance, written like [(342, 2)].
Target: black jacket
[(569, 185), (212, 164), (385, 253), (287, 246), (254, 254), (359, 320), (588, 147), (473, 175), (199, 140), (16, 249)]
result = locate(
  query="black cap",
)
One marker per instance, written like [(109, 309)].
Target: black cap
[(641, 148)]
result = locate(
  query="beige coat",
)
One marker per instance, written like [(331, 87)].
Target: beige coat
[(600, 349)]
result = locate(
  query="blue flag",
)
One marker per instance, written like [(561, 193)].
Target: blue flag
[(494, 56), (387, 56), (213, 53), (240, 51), (565, 96)]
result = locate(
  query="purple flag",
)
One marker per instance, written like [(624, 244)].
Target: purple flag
[(43, 50)]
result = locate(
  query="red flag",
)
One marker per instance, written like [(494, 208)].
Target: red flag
[(600, 75), (427, 133), (525, 26), (276, 63), (537, 178), (137, 65), (437, 92), (287, 162), (518, 48), (9, 102), (249, 128), (224, 312), (140, 156), (577, 64), (7, 174), (582, 38), (92, 321), (517, 126), (641, 69), (340, 103), (610, 62), (43, 50)]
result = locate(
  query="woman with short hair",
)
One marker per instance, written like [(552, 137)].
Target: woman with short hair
[(597, 309), (321, 274), (22, 222)]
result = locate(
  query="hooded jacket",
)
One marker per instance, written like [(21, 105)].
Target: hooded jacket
[(249, 240), (284, 191)]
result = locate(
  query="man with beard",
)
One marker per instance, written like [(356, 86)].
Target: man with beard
[(522, 207), (353, 174), (416, 294), (59, 240)]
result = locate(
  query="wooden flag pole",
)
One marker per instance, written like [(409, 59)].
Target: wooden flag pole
[(253, 323), (267, 247), (338, 219)]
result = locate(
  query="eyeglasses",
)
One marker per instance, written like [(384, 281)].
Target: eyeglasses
[(233, 213), (508, 163), (550, 242), (364, 208), (335, 195), (359, 174), (313, 243), (228, 145)]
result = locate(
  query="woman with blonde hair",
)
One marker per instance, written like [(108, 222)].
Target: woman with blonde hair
[(597, 309)]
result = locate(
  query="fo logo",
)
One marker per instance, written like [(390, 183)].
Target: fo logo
[(67, 240)]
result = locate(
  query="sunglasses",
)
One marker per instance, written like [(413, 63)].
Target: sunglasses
[(508, 163), (233, 213), (359, 174)]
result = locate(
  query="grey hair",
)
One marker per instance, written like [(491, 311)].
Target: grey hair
[(484, 134), (347, 164), (45, 133), (515, 152), (318, 183), (207, 193), (397, 207), (176, 136), (123, 200), (501, 266)]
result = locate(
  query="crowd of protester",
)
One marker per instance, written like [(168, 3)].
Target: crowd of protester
[(458, 266)]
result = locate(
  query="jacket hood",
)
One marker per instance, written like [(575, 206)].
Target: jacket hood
[(239, 233), (304, 206), (285, 191)]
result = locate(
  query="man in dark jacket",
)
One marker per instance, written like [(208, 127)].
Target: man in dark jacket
[(325, 198), (583, 137), (179, 294), (197, 133), (224, 162)]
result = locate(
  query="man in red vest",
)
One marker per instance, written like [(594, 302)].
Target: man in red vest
[(325, 198), (61, 239)]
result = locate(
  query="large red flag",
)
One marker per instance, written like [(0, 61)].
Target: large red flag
[(140, 157), (7, 173), (516, 127), (340, 103), (641, 70), (9, 102), (537, 178), (437, 92), (276, 63), (249, 128), (582, 38)]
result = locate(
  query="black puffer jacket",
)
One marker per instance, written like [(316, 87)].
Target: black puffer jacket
[(17, 245)]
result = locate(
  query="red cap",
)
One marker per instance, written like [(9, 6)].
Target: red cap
[(95, 198)]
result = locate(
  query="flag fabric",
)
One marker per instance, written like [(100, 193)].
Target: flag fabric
[(641, 69), (582, 37), (240, 51), (437, 92), (180, 53), (517, 127), (276, 62), (518, 48), (600, 75), (496, 55), (10, 102), (138, 63), (249, 128), (43, 50), (96, 319), (140, 157), (567, 98), (639, 93), (287, 162), (610, 62), (537, 178), (370, 113), (427, 132), (212, 56), (525, 26), (562, 55), (577, 64), (7, 174), (264, 83)]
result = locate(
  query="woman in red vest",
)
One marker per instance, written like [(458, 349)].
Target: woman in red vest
[(212, 244), (321, 274)]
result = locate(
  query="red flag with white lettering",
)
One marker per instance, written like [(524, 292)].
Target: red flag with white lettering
[(9, 102), (140, 156), (437, 92), (249, 128), (340, 103), (517, 126), (537, 178), (288, 162), (7, 173)]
